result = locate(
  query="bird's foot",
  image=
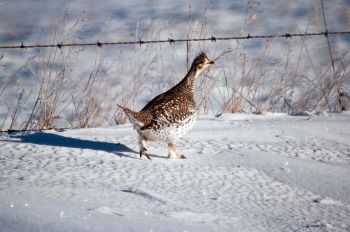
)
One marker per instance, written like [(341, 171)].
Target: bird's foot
[(176, 156), (182, 157), (143, 152)]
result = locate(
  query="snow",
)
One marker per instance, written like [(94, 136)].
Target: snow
[(270, 172)]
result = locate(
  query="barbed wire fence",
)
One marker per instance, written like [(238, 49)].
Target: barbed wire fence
[(140, 42)]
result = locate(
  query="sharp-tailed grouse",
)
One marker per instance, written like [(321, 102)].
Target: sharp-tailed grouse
[(171, 114)]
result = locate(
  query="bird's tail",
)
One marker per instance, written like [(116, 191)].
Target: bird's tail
[(133, 116)]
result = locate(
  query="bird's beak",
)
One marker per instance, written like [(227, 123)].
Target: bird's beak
[(211, 62)]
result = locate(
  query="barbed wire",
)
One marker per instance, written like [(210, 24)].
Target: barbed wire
[(173, 41)]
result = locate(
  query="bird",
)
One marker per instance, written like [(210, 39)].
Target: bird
[(171, 114)]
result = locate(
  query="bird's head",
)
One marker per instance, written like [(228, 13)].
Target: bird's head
[(201, 62)]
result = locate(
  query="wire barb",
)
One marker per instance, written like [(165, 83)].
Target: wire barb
[(99, 44), (171, 41), (59, 45), (287, 35), (326, 33), (213, 39), (249, 36), (141, 42)]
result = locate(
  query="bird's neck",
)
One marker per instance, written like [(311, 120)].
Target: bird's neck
[(188, 83)]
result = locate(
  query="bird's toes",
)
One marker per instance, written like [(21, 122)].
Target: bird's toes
[(176, 157), (147, 156), (143, 152)]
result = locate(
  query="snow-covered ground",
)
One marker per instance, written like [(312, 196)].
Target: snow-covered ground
[(242, 173)]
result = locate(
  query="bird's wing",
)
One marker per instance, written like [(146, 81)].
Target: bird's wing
[(163, 97), (153, 102), (170, 113)]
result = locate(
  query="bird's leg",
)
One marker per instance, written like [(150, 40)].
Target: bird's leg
[(143, 149), (172, 152)]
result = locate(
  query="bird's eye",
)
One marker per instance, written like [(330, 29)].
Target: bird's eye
[(200, 65)]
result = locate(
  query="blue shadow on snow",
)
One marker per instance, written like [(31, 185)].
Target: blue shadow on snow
[(48, 139)]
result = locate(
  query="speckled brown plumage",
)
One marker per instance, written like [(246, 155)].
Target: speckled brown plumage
[(171, 114)]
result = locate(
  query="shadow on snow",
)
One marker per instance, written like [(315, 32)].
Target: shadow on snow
[(48, 139)]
